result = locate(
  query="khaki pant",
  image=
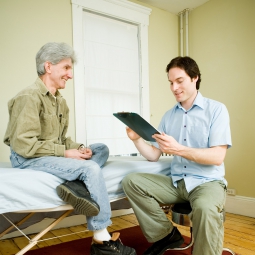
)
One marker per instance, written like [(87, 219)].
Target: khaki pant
[(146, 191)]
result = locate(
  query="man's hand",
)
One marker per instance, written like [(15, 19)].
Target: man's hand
[(82, 154), (206, 156), (87, 151), (132, 134), (167, 144)]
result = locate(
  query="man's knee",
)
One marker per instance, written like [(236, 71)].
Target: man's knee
[(101, 149), (205, 210), (100, 146), (127, 180)]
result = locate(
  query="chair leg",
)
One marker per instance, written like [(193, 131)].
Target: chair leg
[(228, 250)]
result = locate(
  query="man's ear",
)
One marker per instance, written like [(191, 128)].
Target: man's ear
[(195, 79), (47, 66)]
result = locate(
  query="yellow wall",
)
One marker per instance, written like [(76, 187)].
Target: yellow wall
[(221, 41)]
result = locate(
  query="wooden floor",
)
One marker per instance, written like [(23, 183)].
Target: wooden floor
[(239, 234)]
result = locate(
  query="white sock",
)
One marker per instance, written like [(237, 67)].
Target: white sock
[(102, 235)]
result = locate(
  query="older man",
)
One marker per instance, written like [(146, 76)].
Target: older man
[(36, 134)]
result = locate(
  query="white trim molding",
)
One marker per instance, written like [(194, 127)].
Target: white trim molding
[(240, 205), (118, 9), (122, 10)]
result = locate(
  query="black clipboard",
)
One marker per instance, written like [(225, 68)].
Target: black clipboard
[(138, 124)]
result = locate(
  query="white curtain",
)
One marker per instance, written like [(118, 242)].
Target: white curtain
[(112, 79)]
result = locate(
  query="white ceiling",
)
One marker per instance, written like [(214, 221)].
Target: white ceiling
[(175, 6)]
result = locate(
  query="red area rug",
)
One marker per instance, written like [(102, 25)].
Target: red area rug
[(132, 237)]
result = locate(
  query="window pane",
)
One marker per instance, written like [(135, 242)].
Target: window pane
[(112, 81)]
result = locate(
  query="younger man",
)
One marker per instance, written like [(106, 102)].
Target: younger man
[(197, 132)]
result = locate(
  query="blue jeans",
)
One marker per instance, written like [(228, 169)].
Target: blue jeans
[(88, 171)]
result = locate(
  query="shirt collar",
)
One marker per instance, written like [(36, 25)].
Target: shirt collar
[(199, 101), (43, 89)]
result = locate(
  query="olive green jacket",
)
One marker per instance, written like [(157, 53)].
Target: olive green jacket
[(38, 123)]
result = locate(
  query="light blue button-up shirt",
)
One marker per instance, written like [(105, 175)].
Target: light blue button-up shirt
[(204, 125)]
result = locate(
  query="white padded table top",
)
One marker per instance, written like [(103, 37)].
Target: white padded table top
[(26, 189)]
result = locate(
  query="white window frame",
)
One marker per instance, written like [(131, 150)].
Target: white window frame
[(120, 9)]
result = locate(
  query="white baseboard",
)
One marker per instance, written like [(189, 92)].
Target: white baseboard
[(241, 205)]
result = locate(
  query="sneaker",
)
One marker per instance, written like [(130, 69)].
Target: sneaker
[(76, 194), (113, 246), (173, 240)]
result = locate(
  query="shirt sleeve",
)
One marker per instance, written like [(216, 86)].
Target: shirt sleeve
[(220, 133)]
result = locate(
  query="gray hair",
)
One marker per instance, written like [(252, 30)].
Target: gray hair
[(54, 53)]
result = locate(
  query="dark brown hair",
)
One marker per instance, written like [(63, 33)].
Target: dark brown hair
[(187, 64)]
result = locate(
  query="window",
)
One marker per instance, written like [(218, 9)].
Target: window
[(110, 38)]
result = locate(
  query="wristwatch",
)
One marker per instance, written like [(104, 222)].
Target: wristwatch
[(82, 146)]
